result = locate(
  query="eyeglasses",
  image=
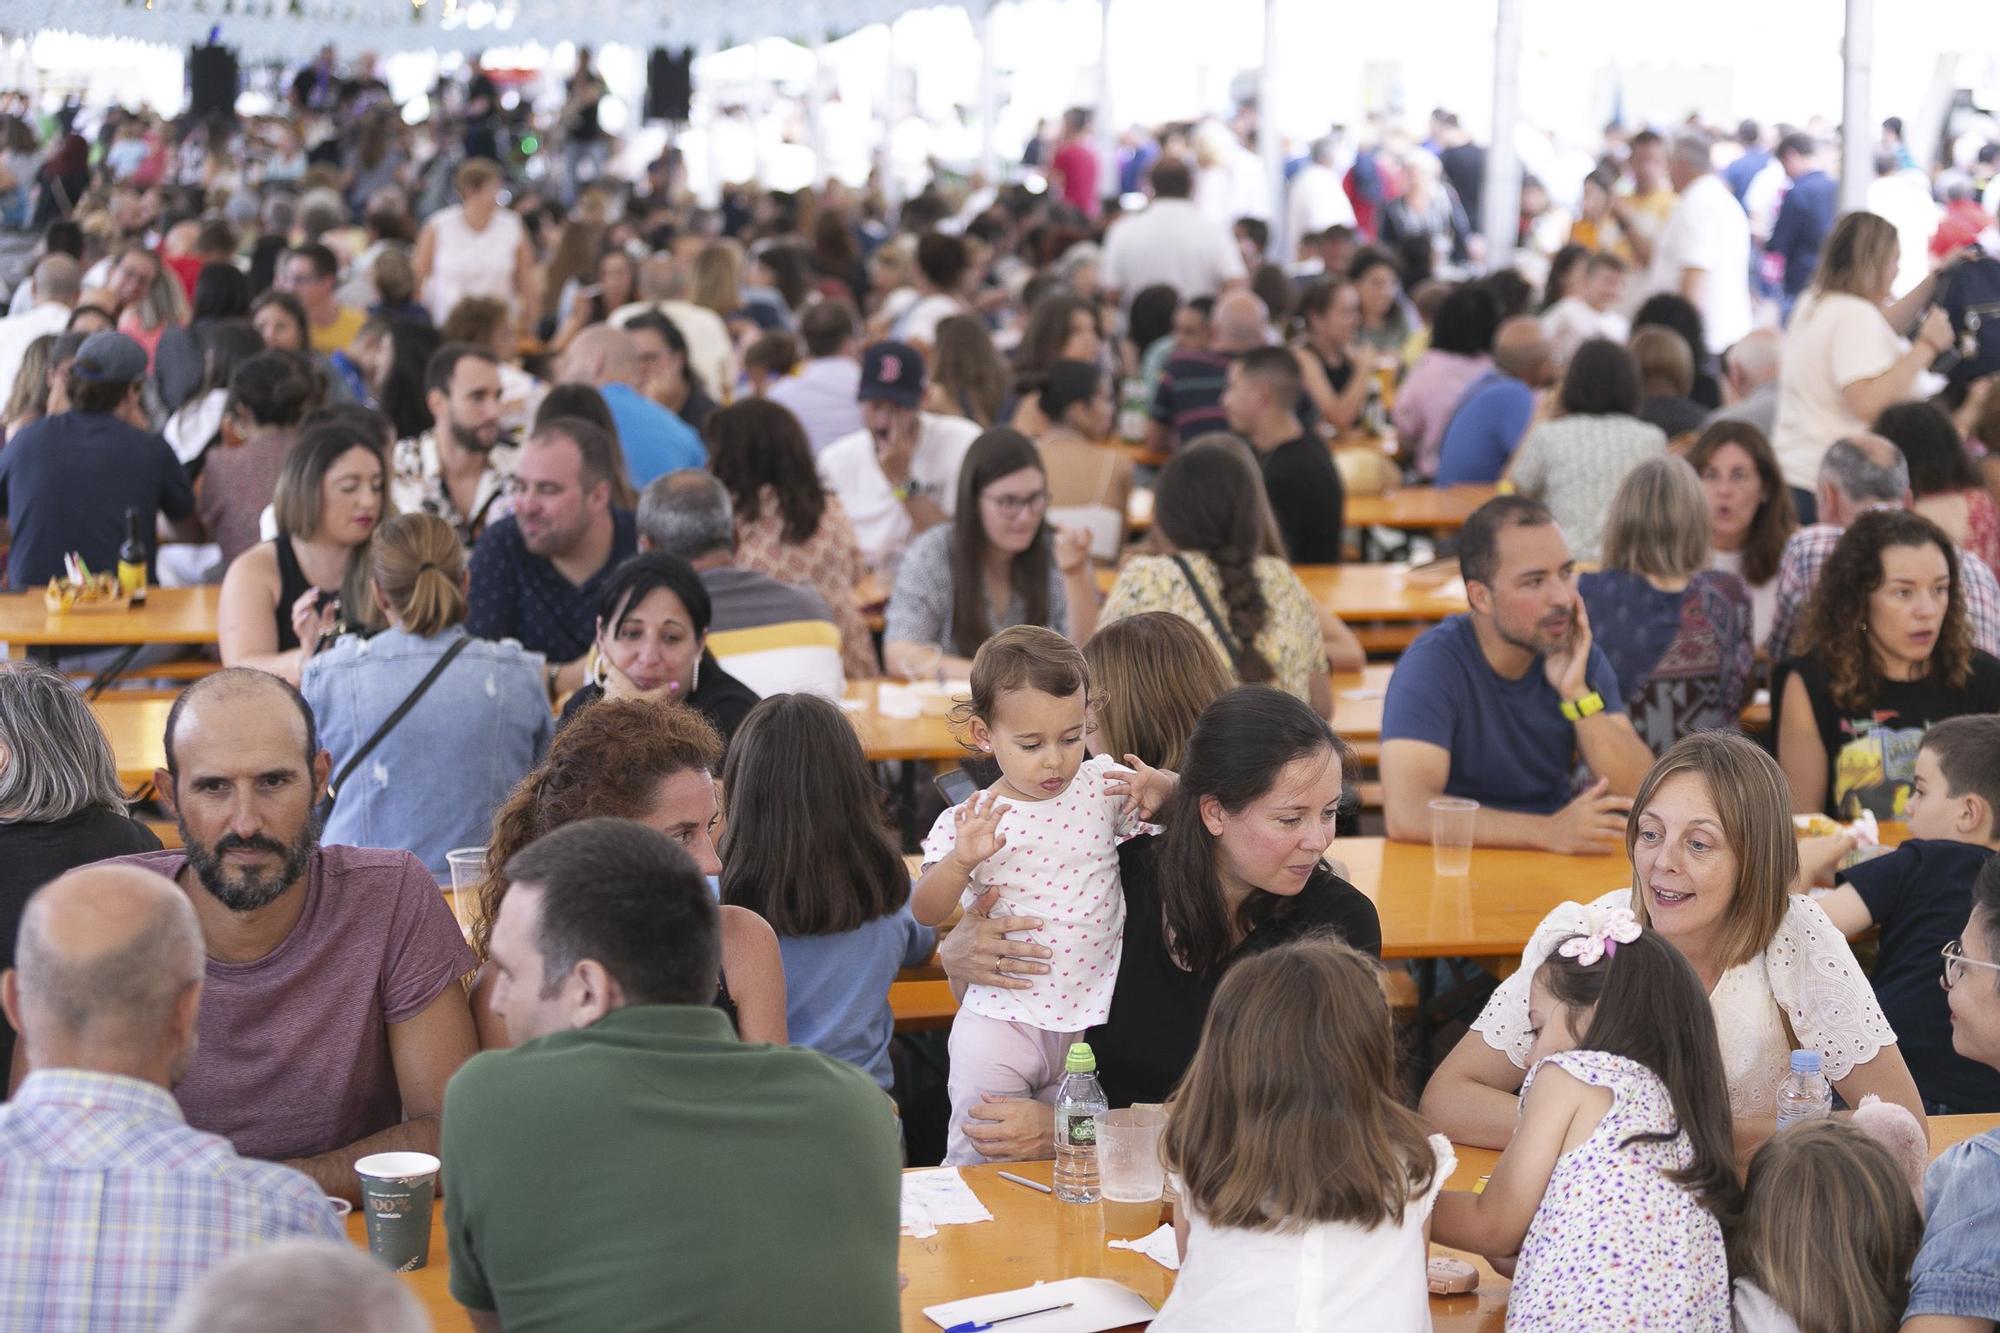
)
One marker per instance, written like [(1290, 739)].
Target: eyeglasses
[(1955, 963), (1014, 505)]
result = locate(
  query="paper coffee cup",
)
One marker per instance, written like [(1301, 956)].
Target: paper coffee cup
[(396, 1193)]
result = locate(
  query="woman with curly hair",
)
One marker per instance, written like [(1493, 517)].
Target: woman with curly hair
[(654, 764), (788, 527), (1888, 651)]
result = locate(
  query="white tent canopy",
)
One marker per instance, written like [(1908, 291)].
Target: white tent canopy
[(293, 29)]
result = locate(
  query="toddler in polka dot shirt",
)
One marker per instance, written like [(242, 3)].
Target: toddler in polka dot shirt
[(1046, 836)]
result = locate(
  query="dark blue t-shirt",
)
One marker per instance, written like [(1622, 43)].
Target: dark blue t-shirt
[(1920, 896), (516, 594), (1804, 219), (1484, 430), (66, 482), (1511, 747)]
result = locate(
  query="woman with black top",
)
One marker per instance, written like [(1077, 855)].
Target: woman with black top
[(1888, 651), (280, 597), (1330, 353), (61, 805), (1236, 871), (652, 643)]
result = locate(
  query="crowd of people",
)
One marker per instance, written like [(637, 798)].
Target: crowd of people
[(548, 510)]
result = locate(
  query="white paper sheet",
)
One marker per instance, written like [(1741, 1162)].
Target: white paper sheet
[(938, 1198), (1160, 1247), (1095, 1304)]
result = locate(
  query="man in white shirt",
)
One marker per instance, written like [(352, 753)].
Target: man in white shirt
[(822, 392), (898, 475), (1316, 201), (1904, 198), (663, 287), (58, 281), (1703, 253), (1171, 242), (1591, 311)]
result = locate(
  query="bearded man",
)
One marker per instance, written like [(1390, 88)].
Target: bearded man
[(331, 1014), (458, 469)]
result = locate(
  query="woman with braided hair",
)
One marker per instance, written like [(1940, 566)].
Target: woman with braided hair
[(1222, 569)]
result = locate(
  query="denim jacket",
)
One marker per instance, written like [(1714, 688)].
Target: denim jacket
[(436, 778), (1958, 1269)]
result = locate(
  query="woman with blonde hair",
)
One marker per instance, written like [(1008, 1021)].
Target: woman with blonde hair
[(1845, 356), (1827, 1234), (284, 598), (29, 400), (1715, 859), (1676, 631), (456, 688), (718, 278), (162, 306), (654, 763), (1155, 673)]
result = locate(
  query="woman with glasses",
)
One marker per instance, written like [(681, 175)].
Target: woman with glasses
[(1715, 862), (998, 563), (1955, 1283)]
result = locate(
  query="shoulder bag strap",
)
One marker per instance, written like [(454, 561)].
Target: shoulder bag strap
[(1214, 621), (389, 723)]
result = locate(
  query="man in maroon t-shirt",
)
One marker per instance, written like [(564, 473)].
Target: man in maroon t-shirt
[(331, 1013), (1075, 164)]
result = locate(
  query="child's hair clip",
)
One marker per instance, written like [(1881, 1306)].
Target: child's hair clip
[(1604, 929)]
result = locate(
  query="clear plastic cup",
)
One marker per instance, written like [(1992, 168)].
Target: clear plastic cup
[(1131, 1180), (468, 872), (1452, 821)]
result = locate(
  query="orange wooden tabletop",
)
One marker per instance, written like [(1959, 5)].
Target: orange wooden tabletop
[(1376, 592), (1034, 1238), (170, 615), (1418, 508), (924, 737), (432, 1282), (137, 731)]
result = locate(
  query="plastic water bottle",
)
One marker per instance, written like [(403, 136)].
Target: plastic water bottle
[(1079, 1101), (1805, 1094)]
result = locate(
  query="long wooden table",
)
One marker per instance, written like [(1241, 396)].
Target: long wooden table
[(1418, 508), (170, 615), (1034, 1238)]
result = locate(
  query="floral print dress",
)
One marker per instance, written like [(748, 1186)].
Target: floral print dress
[(1615, 1244)]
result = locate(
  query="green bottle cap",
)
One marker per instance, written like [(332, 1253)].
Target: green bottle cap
[(1081, 1060)]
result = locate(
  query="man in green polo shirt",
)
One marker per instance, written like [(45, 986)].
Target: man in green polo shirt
[(630, 1164)]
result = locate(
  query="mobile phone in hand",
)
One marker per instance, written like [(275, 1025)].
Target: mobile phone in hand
[(956, 786)]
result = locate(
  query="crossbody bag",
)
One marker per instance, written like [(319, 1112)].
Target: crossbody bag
[(1214, 621), (389, 724)]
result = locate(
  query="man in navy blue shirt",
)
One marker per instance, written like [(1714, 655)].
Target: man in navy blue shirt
[(655, 440), (1497, 705), (1738, 174), (536, 573), (67, 481), (1806, 215), (1493, 413)]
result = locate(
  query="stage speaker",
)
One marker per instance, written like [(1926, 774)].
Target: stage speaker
[(213, 81), (669, 84)]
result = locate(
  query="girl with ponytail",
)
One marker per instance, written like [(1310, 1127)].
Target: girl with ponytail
[(1224, 571), (418, 782)]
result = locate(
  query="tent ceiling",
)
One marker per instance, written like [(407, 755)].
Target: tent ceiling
[(293, 29)]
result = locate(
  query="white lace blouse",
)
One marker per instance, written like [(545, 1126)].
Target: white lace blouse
[(1806, 974)]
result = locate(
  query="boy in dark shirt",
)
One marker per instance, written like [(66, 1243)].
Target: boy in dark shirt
[(1919, 895), (1306, 495)]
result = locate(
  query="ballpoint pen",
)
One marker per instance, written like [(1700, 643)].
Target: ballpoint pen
[(976, 1326)]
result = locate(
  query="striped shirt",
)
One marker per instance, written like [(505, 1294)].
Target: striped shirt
[(110, 1206)]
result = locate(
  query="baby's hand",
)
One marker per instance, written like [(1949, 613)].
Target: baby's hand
[(977, 825), (1146, 789)]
